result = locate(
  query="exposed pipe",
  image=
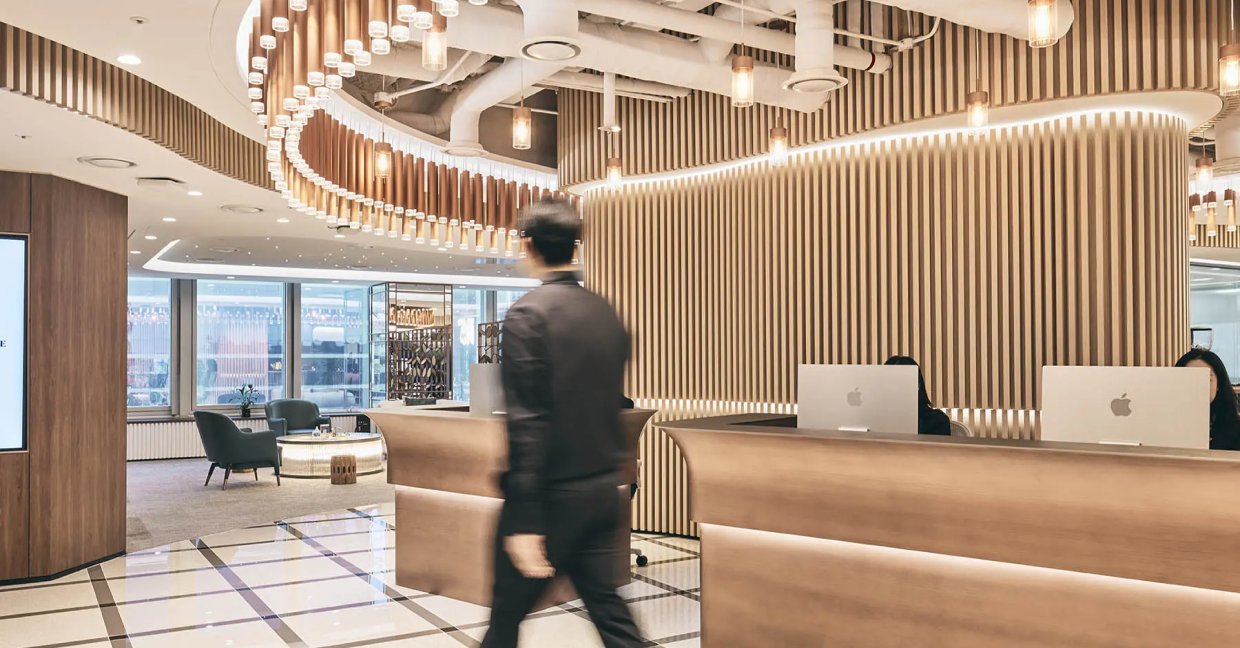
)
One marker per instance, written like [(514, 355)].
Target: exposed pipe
[(719, 34), (643, 90), (632, 53), (815, 53), (1009, 17), (510, 78), (447, 77), (609, 103), (852, 14)]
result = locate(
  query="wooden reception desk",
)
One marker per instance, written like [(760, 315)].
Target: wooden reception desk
[(446, 465), (816, 538)]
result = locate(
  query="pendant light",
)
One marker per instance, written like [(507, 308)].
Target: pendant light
[(1229, 58), (1211, 223), (423, 18), (615, 168), (477, 3), (1229, 201), (977, 103), (1043, 23), (449, 8), (522, 118), (742, 72), (777, 140), (1205, 170), (435, 45)]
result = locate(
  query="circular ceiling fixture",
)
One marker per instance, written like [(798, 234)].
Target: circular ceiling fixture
[(242, 209), (107, 162), (465, 150), (815, 80), (224, 250), (552, 48)]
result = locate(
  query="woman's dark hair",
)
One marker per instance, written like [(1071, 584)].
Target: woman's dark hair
[(1223, 407), (921, 380), (553, 228)]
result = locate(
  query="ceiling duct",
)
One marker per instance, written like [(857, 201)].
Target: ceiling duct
[(509, 79), (1009, 17), (550, 30), (815, 57)]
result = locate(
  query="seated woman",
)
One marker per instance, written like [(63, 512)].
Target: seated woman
[(1224, 411), (929, 419)]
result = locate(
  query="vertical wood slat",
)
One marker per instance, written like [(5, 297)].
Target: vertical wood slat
[(1114, 46), (1015, 255)]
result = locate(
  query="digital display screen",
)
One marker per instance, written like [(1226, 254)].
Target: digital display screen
[(12, 343)]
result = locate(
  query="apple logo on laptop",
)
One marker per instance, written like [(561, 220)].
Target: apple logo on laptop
[(1121, 406), (854, 397)]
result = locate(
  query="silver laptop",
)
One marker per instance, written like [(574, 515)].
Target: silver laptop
[(1148, 406), (861, 398)]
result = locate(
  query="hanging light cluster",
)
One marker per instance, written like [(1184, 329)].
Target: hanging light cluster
[(301, 50)]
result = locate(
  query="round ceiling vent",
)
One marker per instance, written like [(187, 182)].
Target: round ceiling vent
[(465, 150), (815, 80), (208, 260), (242, 209), (107, 162), (358, 267), (550, 48), (225, 250)]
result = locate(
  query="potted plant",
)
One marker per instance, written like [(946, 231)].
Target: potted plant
[(248, 399)]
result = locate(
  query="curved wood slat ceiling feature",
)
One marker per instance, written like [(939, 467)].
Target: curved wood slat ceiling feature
[(1055, 243), (42, 69), (1116, 46)]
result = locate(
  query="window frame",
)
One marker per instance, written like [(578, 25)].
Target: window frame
[(174, 374)]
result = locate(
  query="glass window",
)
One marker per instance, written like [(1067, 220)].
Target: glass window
[(1215, 310), (504, 299), (240, 341), (149, 353), (467, 312), (334, 346)]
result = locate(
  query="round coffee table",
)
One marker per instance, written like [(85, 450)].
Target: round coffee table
[(305, 455)]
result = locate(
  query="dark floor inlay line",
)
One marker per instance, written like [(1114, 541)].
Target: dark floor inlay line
[(112, 620), (687, 593), (390, 592), (256, 603), (669, 545)]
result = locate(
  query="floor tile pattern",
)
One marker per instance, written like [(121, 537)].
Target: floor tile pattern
[(317, 581)]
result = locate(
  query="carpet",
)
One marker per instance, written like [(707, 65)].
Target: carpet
[(168, 503)]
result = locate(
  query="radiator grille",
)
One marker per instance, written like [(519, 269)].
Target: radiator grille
[(179, 439)]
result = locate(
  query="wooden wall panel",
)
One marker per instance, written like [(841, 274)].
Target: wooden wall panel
[(42, 69), (76, 389), (1115, 46), (14, 203), (14, 516), (1054, 243)]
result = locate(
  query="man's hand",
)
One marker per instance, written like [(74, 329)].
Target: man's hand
[(529, 555)]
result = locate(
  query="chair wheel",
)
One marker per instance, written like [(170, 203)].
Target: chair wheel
[(642, 560)]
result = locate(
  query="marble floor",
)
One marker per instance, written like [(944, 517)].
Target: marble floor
[(317, 581)]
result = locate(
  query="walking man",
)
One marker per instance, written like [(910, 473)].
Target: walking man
[(563, 353)]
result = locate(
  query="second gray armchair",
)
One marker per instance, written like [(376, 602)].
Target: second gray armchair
[(290, 416)]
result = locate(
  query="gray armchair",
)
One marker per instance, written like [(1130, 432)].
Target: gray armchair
[(233, 448), (289, 416)]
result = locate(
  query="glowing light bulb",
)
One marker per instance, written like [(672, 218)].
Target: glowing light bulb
[(1229, 70), (522, 128), (1043, 23), (779, 146), (978, 105), (742, 81), (615, 172)]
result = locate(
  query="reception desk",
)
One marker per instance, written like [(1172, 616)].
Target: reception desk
[(823, 538), (446, 465)]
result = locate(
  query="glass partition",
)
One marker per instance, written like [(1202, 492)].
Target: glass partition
[(1215, 309), (240, 341), (334, 348), (148, 363), (468, 310)]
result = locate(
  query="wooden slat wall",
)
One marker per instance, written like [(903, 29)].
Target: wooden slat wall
[(48, 71), (1115, 46), (1061, 242)]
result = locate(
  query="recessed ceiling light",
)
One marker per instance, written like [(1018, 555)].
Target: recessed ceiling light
[(128, 59), (150, 237), (242, 209), (223, 250), (107, 162), (169, 219), (340, 236), (194, 193), (281, 220), (135, 251)]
